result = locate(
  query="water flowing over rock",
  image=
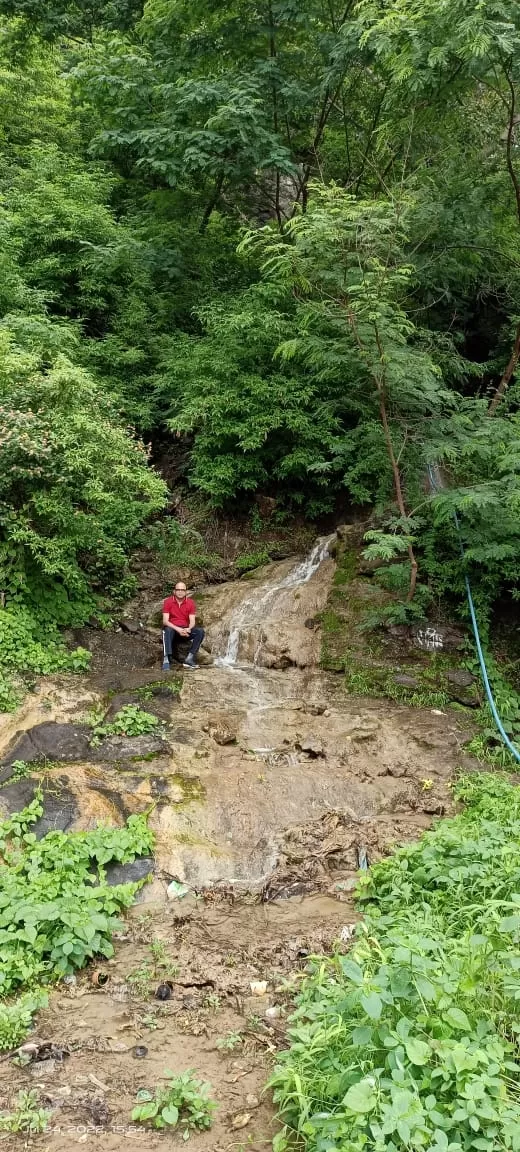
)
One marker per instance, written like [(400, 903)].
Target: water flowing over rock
[(266, 627), (254, 759)]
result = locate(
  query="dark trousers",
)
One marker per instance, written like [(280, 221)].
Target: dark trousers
[(171, 641)]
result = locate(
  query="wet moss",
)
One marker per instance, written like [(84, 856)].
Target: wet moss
[(146, 758), (192, 841), (191, 787), (346, 567), (159, 688)]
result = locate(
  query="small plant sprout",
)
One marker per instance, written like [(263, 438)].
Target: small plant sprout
[(182, 1103), (230, 1041), (27, 1115)]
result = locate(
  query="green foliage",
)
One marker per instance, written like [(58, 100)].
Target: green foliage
[(56, 909), (487, 745), (131, 720), (182, 1103), (75, 18), (247, 561), (410, 1039), (230, 1042), (16, 1018), (353, 336), (176, 544), (28, 1115), (19, 769)]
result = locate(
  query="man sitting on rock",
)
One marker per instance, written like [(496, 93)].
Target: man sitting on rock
[(179, 614)]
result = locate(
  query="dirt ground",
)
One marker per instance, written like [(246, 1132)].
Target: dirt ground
[(210, 953)]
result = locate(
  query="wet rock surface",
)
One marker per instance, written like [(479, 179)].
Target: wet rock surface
[(49, 743), (249, 756), (61, 807)]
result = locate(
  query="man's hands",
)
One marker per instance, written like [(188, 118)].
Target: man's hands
[(174, 627)]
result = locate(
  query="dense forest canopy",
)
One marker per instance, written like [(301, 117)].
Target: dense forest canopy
[(281, 237)]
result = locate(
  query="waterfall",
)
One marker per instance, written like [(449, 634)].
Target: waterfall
[(251, 610)]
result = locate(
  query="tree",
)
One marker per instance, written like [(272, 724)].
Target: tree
[(345, 265), (75, 19)]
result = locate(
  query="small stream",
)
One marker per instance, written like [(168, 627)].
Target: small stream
[(259, 744), (250, 613)]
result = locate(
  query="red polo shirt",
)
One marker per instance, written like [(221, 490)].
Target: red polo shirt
[(179, 614)]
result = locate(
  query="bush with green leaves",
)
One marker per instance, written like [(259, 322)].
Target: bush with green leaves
[(183, 1103), (57, 910), (410, 1040), (16, 1018), (75, 489)]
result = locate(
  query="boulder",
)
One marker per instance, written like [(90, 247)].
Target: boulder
[(116, 748), (132, 626), (438, 638), (51, 742), (460, 677), (131, 872), (59, 805), (222, 728), (407, 681), (312, 746)]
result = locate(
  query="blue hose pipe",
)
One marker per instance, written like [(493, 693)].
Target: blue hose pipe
[(436, 484)]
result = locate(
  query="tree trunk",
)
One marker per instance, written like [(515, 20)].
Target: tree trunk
[(397, 487), (506, 377)]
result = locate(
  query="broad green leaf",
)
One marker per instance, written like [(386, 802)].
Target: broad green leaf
[(351, 970), (372, 1004), (418, 1051), (456, 1018), (361, 1097), (170, 1115)]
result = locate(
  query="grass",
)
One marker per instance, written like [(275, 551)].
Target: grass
[(410, 1041)]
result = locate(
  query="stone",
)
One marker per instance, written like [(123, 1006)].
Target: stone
[(51, 742), (396, 769), (432, 806), (132, 626), (406, 681), (129, 873), (315, 709), (431, 638), (222, 727), (42, 1068), (460, 677), (467, 697), (116, 748), (221, 734), (312, 746), (59, 805)]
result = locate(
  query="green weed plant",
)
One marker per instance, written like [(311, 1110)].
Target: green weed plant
[(131, 720), (57, 910), (182, 1103), (411, 1040)]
